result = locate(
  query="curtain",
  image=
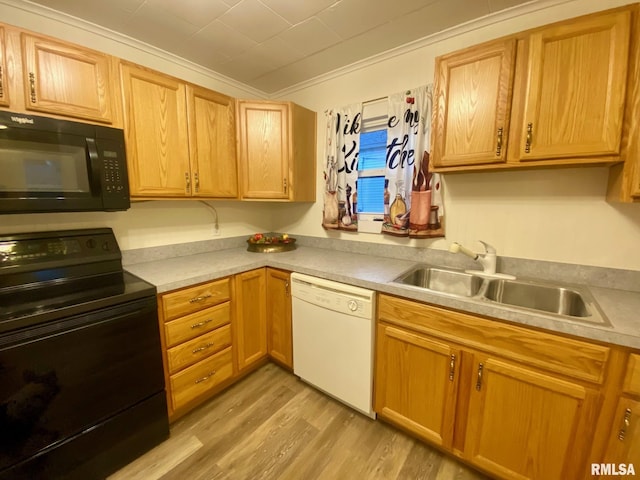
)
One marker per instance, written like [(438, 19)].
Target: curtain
[(412, 195), (341, 167)]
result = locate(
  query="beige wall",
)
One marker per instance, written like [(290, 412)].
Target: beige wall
[(557, 215)]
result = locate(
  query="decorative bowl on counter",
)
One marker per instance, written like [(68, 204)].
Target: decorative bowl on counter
[(270, 243)]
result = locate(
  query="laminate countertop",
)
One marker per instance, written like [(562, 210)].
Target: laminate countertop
[(620, 307)]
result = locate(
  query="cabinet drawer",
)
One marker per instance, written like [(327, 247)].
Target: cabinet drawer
[(200, 347), (196, 298), (191, 326), (632, 378), (558, 354), (200, 378)]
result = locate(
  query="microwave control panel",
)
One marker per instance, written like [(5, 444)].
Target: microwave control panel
[(115, 181)]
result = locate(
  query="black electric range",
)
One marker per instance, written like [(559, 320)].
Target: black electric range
[(81, 379)]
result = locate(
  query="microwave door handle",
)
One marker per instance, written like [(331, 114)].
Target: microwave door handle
[(95, 169)]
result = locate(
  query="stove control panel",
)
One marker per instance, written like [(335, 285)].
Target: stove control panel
[(24, 249)]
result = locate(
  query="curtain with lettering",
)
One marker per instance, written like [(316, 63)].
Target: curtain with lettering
[(413, 195), (341, 168)]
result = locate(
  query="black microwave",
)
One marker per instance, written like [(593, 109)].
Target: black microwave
[(52, 165)]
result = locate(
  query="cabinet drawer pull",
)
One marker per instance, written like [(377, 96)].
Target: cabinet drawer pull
[(187, 181), (286, 289), (452, 367), (201, 324), (527, 147), (200, 298), (206, 377), (196, 178), (626, 423), (499, 142), (32, 86), (479, 381), (1, 83), (204, 347), (284, 184)]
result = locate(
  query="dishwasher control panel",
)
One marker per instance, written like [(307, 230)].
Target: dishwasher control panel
[(334, 296)]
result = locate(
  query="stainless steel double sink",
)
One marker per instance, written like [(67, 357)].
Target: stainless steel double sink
[(562, 301)]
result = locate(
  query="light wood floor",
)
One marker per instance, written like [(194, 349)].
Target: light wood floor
[(273, 426)]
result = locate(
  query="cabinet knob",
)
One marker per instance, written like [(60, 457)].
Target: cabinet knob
[(452, 367), (206, 377), (527, 147), (626, 423), (479, 380), (32, 86)]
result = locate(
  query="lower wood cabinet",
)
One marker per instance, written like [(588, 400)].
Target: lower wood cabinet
[(516, 403), (250, 324), (216, 332), (416, 383), (195, 328), (523, 423), (623, 446), (279, 328)]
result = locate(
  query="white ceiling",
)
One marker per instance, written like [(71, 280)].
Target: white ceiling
[(274, 44)]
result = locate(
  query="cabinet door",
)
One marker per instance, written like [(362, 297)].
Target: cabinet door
[(624, 444), (523, 424), (212, 143), (473, 104), (4, 76), (416, 383), (156, 133), (263, 132), (576, 92), (279, 333), (66, 80), (251, 318)]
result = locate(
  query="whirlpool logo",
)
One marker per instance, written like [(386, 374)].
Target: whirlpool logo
[(22, 120)]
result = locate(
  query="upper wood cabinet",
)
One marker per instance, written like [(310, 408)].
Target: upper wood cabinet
[(279, 327), (212, 143), (66, 79), (57, 78), (180, 138), (473, 105), (277, 151), (550, 96), (4, 74), (575, 95), (156, 133)]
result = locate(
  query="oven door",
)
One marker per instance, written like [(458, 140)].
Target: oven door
[(44, 171), (64, 378)]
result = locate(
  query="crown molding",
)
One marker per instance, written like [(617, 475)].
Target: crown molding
[(470, 26), (482, 22), (46, 12)]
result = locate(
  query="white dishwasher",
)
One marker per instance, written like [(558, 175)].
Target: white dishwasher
[(333, 339)]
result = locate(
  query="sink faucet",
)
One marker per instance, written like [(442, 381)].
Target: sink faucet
[(486, 259)]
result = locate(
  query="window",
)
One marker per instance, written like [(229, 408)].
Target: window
[(372, 161)]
